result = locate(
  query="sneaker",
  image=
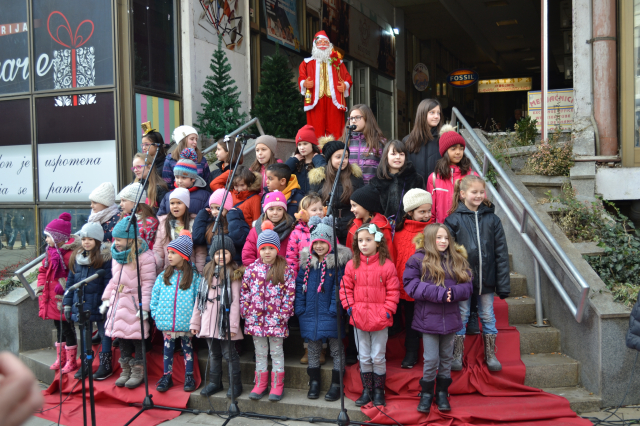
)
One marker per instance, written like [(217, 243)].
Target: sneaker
[(165, 383)]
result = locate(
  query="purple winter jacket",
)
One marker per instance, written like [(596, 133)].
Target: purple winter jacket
[(433, 314)]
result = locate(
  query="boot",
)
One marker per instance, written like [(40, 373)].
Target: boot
[(426, 396), (86, 367), (378, 389), (260, 388), (314, 383), (137, 374), (72, 364), (165, 383), (458, 352), (105, 370), (411, 357), (442, 393), (367, 389), (305, 357), (323, 356), (189, 382), (490, 352), (472, 325), (61, 356), (333, 394), (236, 378), (125, 364), (214, 385), (277, 386)]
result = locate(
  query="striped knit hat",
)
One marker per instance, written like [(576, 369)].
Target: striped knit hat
[(182, 245), (186, 167), (268, 237)]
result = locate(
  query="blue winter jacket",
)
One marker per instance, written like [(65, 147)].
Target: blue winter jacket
[(171, 308), (318, 311), (238, 231), (199, 199), (303, 175)]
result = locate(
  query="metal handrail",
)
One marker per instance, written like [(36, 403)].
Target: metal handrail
[(20, 274), (245, 126), (521, 226)]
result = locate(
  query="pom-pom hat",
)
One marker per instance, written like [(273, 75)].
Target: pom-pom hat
[(59, 229), (187, 167), (321, 230), (331, 147), (218, 195), (216, 244), (414, 198), (183, 245), (182, 132), (274, 199), (307, 134), (448, 138), (104, 194), (268, 237)]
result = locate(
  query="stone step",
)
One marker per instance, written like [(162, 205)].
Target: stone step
[(538, 339), (518, 285), (580, 399), (546, 370), (522, 310), (39, 362)]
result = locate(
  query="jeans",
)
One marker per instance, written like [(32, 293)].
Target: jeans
[(372, 348), (13, 235), (485, 313), (438, 355), (106, 340)]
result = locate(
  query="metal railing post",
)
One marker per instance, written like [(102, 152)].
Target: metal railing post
[(245, 126), (20, 274), (536, 275)]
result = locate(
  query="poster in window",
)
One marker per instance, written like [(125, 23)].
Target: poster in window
[(16, 164), (14, 36), (281, 19), (335, 22), (73, 47)]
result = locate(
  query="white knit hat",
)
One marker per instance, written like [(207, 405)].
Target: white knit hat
[(104, 194), (132, 192), (181, 194), (92, 230), (414, 198), (182, 132)]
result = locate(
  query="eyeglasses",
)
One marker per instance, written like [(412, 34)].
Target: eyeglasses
[(136, 168), (147, 145), (355, 118)]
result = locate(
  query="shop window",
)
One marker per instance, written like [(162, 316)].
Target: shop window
[(16, 162), (78, 219), (163, 113), (73, 44), (155, 45), (14, 36), (17, 239)]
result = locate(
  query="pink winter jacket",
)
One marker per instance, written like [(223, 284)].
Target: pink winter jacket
[(442, 192), (300, 238), (198, 257), (122, 294)]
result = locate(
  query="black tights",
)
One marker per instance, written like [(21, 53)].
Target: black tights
[(129, 346), (68, 332)]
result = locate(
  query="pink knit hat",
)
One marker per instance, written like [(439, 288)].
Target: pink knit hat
[(216, 198), (274, 199), (59, 229)]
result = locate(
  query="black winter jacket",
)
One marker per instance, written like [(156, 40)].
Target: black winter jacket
[(425, 160), (220, 169), (392, 190), (633, 335), (481, 233), (238, 231), (303, 174)]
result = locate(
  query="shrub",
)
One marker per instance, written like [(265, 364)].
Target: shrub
[(551, 159)]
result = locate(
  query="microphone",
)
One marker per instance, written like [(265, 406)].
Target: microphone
[(76, 286), (248, 136), (353, 127)]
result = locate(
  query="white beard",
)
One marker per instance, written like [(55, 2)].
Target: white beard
[(320, 55)]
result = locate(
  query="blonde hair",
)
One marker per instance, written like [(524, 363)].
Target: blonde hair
[(454, 262), (182, 145), (463, 185)]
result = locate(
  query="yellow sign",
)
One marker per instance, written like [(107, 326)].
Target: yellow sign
[(504, 85)]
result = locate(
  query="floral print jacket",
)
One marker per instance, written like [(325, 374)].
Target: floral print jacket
[(266, 307)]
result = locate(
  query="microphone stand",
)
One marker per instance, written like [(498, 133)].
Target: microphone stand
[(84, 319)]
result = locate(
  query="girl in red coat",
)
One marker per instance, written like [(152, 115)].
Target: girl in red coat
[(370, 294)]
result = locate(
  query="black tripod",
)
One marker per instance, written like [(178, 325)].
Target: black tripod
[(84, 319)]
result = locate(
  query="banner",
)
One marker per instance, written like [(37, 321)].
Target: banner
[(559, 108), (281, 20), (16, 179), (505, 85), (14, 61)]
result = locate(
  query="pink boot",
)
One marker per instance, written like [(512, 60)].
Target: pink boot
[(277, 386), (260, 389), (61, 356), (72, 363)]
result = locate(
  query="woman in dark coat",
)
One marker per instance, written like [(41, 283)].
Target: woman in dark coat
[(422, 142)]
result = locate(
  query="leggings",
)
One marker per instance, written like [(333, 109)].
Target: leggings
[(169, 347), (67, 331), (315, 348), (129, 346), (262, 345)]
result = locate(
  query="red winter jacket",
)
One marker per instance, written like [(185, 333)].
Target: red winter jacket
[(381, 222), (442, 192), (372, 291), (404, 247), (49, 302)]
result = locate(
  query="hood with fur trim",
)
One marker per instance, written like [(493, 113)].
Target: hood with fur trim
[(344, 255), (257, 184), (418, 241), (318, 174), (238, 274)]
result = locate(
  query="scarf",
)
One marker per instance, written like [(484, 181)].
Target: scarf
[(104, 215), (55, 261), (122, 257), (83, 258), (283, 229)]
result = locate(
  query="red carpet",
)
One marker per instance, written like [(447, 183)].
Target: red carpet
[(478, 397), (113, 403)]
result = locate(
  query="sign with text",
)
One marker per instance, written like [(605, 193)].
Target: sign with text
[(364, 38), (559, 108), (505, 85), (282, 22), (462, 78), (16, 177), (14, 61)]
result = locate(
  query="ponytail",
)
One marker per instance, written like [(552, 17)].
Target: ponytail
[(463, 185)]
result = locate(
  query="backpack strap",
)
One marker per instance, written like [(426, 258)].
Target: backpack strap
[(252, 195)]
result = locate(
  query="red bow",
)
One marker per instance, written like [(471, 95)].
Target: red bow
[(75, 39)]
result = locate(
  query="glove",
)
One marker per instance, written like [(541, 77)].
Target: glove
[(67, 313), (503, 295), (388, 316), (104, 307), (58, 289), (39, 291), (349, 311), (145, 315)]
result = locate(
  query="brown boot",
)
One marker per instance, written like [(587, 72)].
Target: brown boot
[(126, 371), (137, 375), (323, 356), (305, 357)]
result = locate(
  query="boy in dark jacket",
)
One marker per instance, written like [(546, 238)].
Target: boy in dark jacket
[(186, 176), (280, 178)]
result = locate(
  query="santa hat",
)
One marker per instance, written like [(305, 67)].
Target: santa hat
[(320, 34)]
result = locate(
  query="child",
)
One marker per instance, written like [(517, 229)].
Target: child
[(321, 180), (452, 167), (186, 176), (307, 156), (474, 224), (52, 277), (172, 301), (120, 301), (265, 156), (104, 209), (206, 320), (422, 142), (153, 146), (246, 189), (367, 141), (395, 176), (279, 178), (315, 303), (156, 188), (437, 277), (370, 294), (232, 224), (85, 261), (225, 156), (310, 206), (417, 204), (274, 211), (185, 137), (147, 222), (266, 304), (366, 207)]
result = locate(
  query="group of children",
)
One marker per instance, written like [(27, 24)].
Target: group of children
[(387, 247)]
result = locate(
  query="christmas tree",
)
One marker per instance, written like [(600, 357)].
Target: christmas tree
[(278, 103), (221, 112)]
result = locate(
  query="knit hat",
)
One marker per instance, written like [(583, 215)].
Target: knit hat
[(132, 192), (120, 230), (186, 167), (331, 147), (449, 137), (92, 230), (181, 194), (307, 134), (216, 198), (269, 141), (182, 245), (321, 230), (182, 132), (104, 194), (268, 236), (274, 199), (369, 198), (414, 198), (60, 229), (216, 244)]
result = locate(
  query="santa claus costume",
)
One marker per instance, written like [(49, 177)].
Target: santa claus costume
[(327, 105)]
